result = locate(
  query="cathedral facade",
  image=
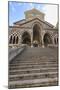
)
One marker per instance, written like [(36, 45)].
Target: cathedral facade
[(33, 30)]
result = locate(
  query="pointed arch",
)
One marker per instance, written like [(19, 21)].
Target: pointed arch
[(10, 41), (47, 39), (55, 40), (26, 39), (36, 33)]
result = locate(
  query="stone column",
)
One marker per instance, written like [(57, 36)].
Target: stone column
[(12, 39), (42, 42), (53, 41), (20, 40), (31, 39)]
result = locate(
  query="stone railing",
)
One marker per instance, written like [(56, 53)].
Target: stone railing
[(15, 51)]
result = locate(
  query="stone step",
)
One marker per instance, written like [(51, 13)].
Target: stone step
[(17, 65), (32, 66), (36, 57), (39, 63), (38, 53), (32, 76), (32, 83), (38, 70), (35, 64), (33, 61)]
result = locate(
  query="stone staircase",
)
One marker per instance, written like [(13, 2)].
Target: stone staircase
[(35, 67)]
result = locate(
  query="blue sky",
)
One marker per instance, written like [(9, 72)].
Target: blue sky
[(17, 9)]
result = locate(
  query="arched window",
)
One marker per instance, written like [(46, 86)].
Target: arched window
[(10, 41), (55, 40), (47, 39), (17, 40), (26, 39), (36, 34), (14, 40)]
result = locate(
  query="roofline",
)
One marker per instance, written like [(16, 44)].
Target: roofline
[(18, 21), (39, 20), (49, 23), (29, 27), (18, 27)]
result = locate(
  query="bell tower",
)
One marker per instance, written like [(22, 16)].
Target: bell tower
[(34, 13)]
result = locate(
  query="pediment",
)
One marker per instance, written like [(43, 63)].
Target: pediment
[(27, 22)]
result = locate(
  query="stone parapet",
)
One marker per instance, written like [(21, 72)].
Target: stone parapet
[(15, 51)]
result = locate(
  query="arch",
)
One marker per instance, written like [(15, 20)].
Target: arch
[(14, 40), (26, 39), (36, 33), (55, 40), (38, 23), (17, 40), (47, 39), (10, 41)]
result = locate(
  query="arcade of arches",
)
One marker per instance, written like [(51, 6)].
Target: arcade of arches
[(26, 38), (13, 39)]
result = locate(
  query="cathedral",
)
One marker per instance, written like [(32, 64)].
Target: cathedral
[(33, 31), (37, 66)]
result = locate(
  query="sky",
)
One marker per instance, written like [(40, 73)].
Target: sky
[(17, 9)]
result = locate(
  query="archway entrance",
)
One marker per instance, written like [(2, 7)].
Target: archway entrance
[(26, 38), (47, 39), (36, 35)]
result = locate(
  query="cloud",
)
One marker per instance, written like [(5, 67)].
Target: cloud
[(31, 5), (38, 7), (12, 6), (24, 3), (51, 13), (19, 4), (10, 3)]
